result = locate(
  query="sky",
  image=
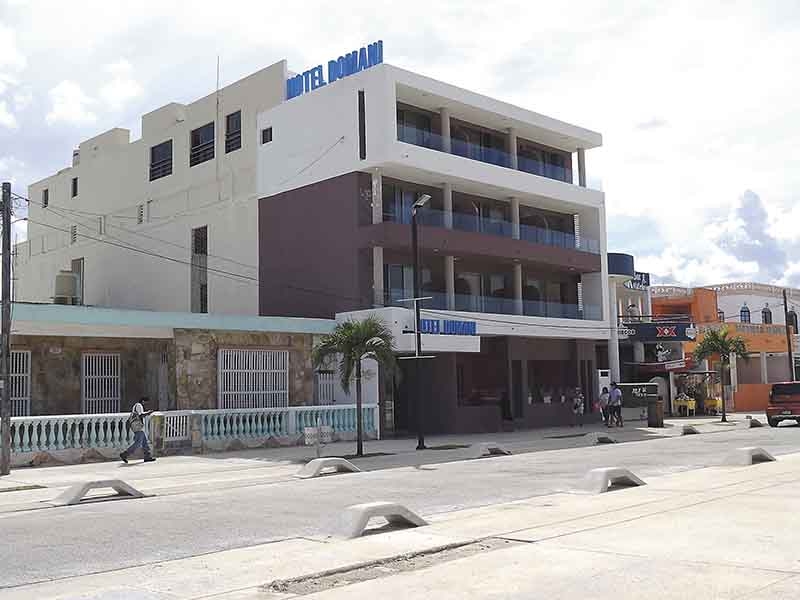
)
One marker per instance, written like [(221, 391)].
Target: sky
[(698, 102)]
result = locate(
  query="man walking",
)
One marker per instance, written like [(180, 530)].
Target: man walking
[(136, 423), (615, 402)]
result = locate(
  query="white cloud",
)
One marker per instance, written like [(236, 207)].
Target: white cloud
[(11, 57), (70, 105), (22, 99), (122, 87), (7, 119)]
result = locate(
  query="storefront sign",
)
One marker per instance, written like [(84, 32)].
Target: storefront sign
[(638, 394), (659, 332), (446, 327), (640, 281), (338, 68)]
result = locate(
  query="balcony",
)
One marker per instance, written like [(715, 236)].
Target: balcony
[(432, 217), (495, 305), (426, 138)]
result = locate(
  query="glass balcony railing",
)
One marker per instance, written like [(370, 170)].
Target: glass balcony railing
[(433, 217), (494, 156), (495, 305), (419, 137), (537, 167)]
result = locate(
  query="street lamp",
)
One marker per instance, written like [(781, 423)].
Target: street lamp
[(421, 201)]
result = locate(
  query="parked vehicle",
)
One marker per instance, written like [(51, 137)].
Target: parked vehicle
[(784, 403)]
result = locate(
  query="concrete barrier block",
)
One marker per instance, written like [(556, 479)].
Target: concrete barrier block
[(355, 519), (598, 481), (743, 457), (492, 449), (689, 430), (76, 493), (322, 466), (751, 422), (603, 438)]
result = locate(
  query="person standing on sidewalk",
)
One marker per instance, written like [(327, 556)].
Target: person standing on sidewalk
[(604, 398), (136, 423)]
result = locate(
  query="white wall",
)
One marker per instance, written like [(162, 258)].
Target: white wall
[(732, 304), (114, 179)]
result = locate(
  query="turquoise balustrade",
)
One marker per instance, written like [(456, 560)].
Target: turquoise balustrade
[(65, 432)]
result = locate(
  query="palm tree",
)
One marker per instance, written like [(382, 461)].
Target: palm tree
[(350, 342), (718, 341)]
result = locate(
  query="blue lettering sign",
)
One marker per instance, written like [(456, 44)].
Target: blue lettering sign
[(349, 64)]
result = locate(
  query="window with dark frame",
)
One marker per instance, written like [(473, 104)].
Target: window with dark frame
[(74, 186), (201, 144), (45, 197), (161, 160), (266, 135), (766, 316), (744, 314), (233, 131)]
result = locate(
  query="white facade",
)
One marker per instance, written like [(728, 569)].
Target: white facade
[(118, 203), (733, 297)]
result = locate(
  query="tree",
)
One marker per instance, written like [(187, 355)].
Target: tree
[(718, 341), (349, 343)]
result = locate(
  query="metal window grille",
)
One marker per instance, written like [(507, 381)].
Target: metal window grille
[(140, 214), (73, 234), (101, 382), (20, 383), (253, 378), (325, 387)]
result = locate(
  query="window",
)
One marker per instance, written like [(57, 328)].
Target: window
[(744, 314), (45, 197), (766, 316), (792, 320), (161, 160), (266, 135), (233, 131), (74, 186), (77, 268), (140, 214), (202, 144), (20, 383), (199, 274), (362, 127), (73, 234), (253, 378), (720, 316), (101, 225), (101, 387)]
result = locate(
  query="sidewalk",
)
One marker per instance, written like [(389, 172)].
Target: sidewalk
[(705, 534)]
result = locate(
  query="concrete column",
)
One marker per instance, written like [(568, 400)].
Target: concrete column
[(518, 289), (673, 391), (613, 342), (450, 281), (581, 167), (377, 197), (515, 230), (764, 372), (638, 352), (377, 276), (647, 309), (444, 115), (512, 148), (447, 196)]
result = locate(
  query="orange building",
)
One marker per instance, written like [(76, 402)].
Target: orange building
[(766, 343)]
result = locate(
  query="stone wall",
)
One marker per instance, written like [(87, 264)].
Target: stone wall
[(56, 370), (196, 363)]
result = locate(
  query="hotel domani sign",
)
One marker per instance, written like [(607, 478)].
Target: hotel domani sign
[(338, 68)]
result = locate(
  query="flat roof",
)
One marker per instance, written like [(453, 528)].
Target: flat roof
[(92, 316)]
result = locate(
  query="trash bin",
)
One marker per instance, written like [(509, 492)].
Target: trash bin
[(655, 413)]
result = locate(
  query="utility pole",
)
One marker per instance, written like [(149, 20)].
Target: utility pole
[(417, 332), (5, 339), (788, 335)]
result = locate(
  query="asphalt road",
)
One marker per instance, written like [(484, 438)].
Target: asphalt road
[(61, 542)]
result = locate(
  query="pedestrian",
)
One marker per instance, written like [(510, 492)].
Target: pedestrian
[(604, 397), (615, 402), (578, 406), (136, 423)]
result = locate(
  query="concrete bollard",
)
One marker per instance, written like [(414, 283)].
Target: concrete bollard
[(355, 518), (744, 457), (598, 481), (74, 495), (318, 466), (689, 430), (492, 449)]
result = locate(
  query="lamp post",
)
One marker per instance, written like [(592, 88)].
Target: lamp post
[(788, 335), (421, 201)]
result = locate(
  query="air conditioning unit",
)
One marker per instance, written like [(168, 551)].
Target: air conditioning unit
[(66, 291)]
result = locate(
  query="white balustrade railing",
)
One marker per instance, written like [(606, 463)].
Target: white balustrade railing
[(64, 432)]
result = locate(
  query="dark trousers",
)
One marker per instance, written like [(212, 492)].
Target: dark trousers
[(139, 440)]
